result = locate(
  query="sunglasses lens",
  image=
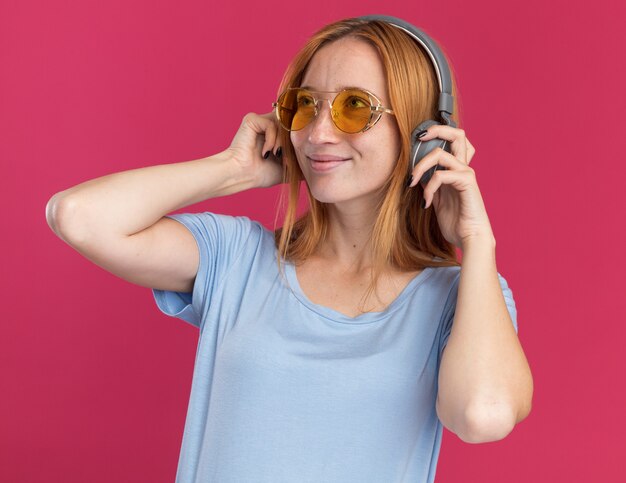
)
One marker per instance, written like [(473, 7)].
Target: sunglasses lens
[(352, 110), (305, 109), (296, 108), (285, 110)]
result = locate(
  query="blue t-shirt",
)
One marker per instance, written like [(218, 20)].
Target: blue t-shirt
[(285, 390)]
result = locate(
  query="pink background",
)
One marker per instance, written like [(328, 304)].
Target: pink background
[(94, 380)]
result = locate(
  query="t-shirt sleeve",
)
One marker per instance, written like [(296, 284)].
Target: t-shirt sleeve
[(220, 239), (450, 306)]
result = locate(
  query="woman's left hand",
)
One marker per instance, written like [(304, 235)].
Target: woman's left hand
[(454, 192)]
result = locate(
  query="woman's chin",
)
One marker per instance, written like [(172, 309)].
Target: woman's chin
[(338, 197), (328, 194), (329, 199), (340, 192)]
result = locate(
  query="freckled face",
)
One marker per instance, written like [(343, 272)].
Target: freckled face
[(339, 166)]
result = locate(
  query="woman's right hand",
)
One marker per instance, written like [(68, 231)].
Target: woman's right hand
[(257, 135)]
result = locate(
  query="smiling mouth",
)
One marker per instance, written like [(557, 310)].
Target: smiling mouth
[(326, 158), (326, 163)]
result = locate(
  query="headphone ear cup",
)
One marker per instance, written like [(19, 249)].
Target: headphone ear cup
[(419, 149)]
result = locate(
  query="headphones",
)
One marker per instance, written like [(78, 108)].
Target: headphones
[(419, 149)]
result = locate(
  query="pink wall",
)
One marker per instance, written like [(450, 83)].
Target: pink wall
[(94, 380)]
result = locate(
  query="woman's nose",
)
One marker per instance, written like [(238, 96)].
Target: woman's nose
[(323, 128)]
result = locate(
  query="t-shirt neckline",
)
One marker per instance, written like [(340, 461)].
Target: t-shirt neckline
[(336, 316)]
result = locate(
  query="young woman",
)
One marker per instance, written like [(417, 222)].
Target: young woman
[(321, 353)]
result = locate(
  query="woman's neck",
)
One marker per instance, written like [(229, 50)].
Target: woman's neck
[(348, 242)]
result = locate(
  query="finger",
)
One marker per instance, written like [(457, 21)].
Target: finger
[(277, 127), (436, 156), (455, 136), (470, 150), (265, 126), (276, 147), (458, 179)]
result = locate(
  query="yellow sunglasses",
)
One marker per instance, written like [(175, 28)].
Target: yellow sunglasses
[(352, 110)]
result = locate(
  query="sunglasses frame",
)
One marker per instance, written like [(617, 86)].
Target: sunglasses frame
[(376, 110)]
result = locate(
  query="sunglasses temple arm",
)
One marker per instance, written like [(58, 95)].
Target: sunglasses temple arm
[(382, 109)]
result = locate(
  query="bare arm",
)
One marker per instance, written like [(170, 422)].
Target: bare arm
[(485, 383), (117, 221)]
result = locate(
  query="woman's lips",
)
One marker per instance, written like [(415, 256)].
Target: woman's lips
[(325, 162)]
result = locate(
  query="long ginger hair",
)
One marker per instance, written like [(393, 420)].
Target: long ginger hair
[(404, 237)]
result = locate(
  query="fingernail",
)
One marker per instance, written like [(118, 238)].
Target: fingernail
[(265, 156), (423, 203), (410, 180), (279, 152), (422, 133)]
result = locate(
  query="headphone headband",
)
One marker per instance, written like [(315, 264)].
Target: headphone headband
[(446, 100)]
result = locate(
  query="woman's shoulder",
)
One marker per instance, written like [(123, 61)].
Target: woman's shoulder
[(451, 275), (445, 266), (442, 274), (226, 233), (220, 221)]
